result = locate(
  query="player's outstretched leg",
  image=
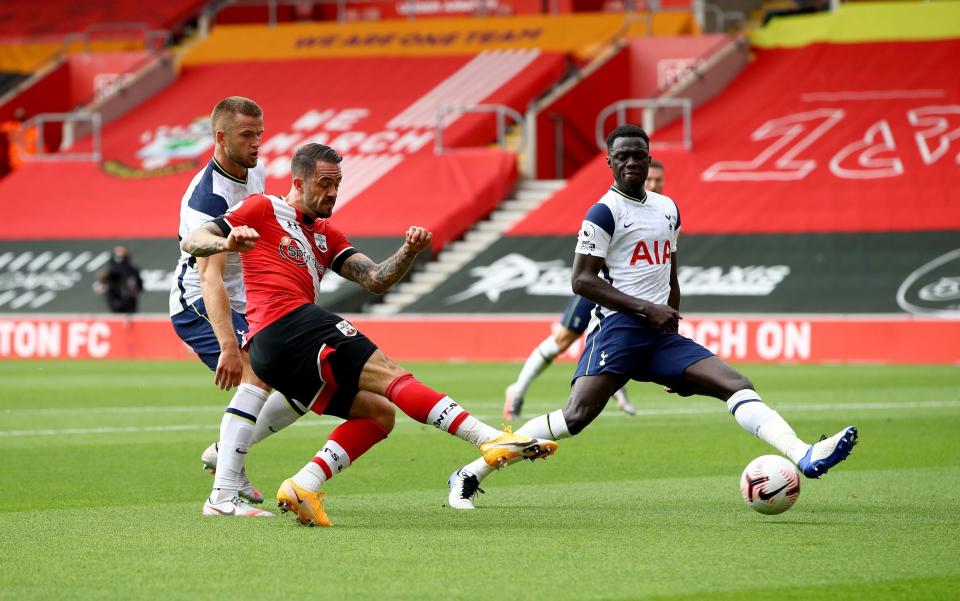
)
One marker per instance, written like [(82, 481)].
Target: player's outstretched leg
[(828, 452), (428, 406), (765, 423)]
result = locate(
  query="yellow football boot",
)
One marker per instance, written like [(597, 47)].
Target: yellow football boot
[(509, 446), (308, 505)]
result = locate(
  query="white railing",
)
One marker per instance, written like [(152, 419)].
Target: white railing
[(153, 39), (650, 121), (69, 121), (502, 112)]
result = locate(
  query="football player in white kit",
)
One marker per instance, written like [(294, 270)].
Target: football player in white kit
[(207, 299), (626, 262), (577, 319)]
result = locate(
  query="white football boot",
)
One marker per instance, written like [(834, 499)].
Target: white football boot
[(623, 402), (512, 403), (234, 507), (464, 488), (247, 490)]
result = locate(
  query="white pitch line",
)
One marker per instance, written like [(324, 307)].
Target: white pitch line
[(95, 410), (326, 421)]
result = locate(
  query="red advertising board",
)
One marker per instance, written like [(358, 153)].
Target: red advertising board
[(793, 339)]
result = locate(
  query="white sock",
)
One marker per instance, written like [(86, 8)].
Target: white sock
[(757, 418), (479, 468), (551, 426), (312, 476), (474, 431), (276, 415), (236, 430), (539, 359)]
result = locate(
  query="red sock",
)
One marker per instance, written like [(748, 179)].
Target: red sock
[(413, 397), (347, 443), (425, 404)]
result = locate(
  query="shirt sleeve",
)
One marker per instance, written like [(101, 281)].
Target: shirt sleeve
[(201, 208), (596, 231), (248, 211), (340, 248), (676, 230)]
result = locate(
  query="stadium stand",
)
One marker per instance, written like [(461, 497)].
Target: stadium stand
[(27, 43), (640, 67), (830, 196), (19, 19), (380, 111), (581, 36), (819, 216)]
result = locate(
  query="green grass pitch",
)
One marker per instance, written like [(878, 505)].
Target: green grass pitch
[(102, 490)]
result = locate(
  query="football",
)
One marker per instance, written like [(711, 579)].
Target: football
[(770, 484)]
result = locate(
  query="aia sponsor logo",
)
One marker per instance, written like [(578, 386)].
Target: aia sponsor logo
[(292, 250), (657, 254), (933, 288)]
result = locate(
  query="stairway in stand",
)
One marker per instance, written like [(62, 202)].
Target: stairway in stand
[(528, 195)]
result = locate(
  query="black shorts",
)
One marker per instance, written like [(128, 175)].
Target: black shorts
[(312, 355)]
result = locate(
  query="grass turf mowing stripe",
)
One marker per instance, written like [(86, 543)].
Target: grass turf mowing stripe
[(324, 421)]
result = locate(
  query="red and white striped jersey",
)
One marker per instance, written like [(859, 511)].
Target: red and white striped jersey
[(283, 271)]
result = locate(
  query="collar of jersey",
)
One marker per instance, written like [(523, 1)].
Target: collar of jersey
[(224, 173), (310, 221), (627, 196)]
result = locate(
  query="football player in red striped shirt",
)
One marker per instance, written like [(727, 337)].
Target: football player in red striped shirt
[(309, 353)]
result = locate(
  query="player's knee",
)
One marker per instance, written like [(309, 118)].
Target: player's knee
[(379, 373), (740, 382), (385, 415), (385, 363)]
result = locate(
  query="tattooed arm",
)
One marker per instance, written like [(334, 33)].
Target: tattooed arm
[(210, 239), (379, 277)]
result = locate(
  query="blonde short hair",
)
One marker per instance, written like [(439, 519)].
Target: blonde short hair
[(223, 113)]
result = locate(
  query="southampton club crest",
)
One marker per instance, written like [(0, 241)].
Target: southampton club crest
[(346, 328), (321, 241)]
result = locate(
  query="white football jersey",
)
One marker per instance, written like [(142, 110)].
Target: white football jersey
[(210, 194), (636, 238)]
